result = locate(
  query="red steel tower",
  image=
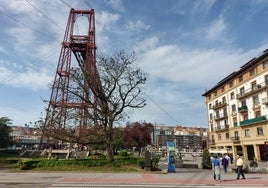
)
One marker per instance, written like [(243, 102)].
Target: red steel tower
[(66, 110)]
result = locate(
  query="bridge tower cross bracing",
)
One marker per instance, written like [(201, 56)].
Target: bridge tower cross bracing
[(62, 102)]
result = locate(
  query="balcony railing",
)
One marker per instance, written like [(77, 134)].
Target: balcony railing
[(252, 91), (235, 139), (219, 105), (243, 109), (223, 127), (221, 116), (254, 120)]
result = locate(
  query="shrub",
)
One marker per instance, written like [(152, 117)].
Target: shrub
[(141, 162), (155, 160), (123, 153), (26, 164)]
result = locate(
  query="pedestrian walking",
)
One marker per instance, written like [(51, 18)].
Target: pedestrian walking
[(239, 165), (225, 163), (216, 168)]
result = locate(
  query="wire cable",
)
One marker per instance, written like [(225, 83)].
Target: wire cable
[(24, 68), (66, 4), (17, 21), (44, 15), (86, 2), (166, 112)]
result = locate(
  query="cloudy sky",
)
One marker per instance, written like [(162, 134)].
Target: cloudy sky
[(185, 46)]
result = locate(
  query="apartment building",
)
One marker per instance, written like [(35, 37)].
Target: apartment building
[(237, 109), (190, 138)]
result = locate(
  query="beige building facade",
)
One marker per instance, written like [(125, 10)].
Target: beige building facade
[(237, 109)]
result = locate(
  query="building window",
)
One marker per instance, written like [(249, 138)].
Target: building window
[(225, 111), (232, 95), (223, 100), (211, 127), (259, 131), (243, 103), (219, 136), (245, 116), (235, 121), (210, 116), (231, 83), (215, 93), (209, 96), (222, 89), (256, 100), (240, 78), (253, 85), (218, 125), (236, 135), (233, 108), (257, 113), (266, 79), (210, 106), (242, 91), (247, 133), (217, 114), (265, 64), (251, 72), (227, 135)]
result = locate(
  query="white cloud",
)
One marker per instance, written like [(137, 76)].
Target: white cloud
[(202, 6), (147, 44), (195, 66), (137, 26), (216, 30), (105, 20), (30, 79), (17, 6), (116, 4)]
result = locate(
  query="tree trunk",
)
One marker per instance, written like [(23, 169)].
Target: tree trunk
[(109, 152)]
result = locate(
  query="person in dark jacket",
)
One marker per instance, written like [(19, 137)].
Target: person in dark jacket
[(224, 163)]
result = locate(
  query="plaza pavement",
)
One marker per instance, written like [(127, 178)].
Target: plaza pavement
[(185, 177)]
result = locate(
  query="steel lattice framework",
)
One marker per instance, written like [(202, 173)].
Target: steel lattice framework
[(64, 108)]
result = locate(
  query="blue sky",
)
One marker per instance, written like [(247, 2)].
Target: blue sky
[(186, 46)]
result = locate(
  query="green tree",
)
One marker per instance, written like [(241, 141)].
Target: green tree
[(206, 159), (5, 130)]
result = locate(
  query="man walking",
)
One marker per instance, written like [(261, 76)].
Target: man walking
[(225, 163), (239, 165), (216, 168)]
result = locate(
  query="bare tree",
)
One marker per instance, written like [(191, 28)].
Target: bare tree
[(111, 88)]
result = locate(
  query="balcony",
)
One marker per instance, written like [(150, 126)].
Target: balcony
[(254, 120), (252, 91), (243, 109), (222, 128), (219, 105), (236, 139), (221, 116)]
